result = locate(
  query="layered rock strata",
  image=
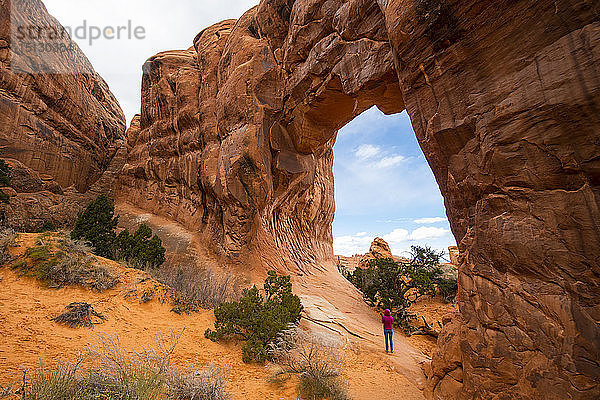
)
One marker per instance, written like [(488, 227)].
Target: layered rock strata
[(235, 142), (60, 131)]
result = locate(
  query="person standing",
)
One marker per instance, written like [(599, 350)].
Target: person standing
[(388, 330)]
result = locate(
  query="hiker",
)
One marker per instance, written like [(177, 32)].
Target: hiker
[(388, 330)]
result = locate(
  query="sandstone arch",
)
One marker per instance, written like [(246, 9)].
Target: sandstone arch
[(235, 135)]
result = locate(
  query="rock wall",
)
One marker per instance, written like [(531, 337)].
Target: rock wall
[(236, 133), (235, 141), (504, 100), (60, 131)]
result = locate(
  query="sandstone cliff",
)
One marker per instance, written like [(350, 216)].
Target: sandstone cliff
[(235, 142), (60, 131)]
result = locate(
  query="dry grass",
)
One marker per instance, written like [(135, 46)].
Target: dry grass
[(105, 370), (78, 315), (194, 289), (197, 383), (317, 363), (7, 240), (59, 262)]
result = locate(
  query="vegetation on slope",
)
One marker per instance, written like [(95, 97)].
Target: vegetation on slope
[(257, 320), (97, 225), (111, 372), (387, 284), (63, 262)]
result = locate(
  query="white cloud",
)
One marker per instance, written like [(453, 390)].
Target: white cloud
[(428, 232), (388, 162), (398, 239), (397, 236), (351, 244), (433, 220), (374, 157), (367, 151)]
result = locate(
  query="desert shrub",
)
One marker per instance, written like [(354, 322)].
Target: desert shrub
[(448, 289), (317, 363), (7, 390), (79, 315), (112, 373), (193, 289), (387, 284), (7, 240), (141, 250), (97, 225), (257, 320), (196, 383), (118, 374), (70, 264), (55, 382), (149, 374), (40, 252)]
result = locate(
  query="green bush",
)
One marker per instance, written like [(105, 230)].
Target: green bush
[(258, 320), (448, 289), (97, 225), (141, 249), (387, 284)]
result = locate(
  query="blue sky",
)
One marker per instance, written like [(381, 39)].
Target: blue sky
[(384, 187)]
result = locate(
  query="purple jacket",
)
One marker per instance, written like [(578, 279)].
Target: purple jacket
[(387, 321)]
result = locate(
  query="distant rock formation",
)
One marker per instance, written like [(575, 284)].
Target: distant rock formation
[(235, 142), (59, 131), (379, 249)]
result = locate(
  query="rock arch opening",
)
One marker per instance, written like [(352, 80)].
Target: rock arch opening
[(385, 188), (235, 141)]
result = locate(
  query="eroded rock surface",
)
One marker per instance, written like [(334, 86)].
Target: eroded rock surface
[(235, 142), (379, 249), (236, 133), (60, 131)]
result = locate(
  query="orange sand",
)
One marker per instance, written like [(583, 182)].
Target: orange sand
[(26, 334)]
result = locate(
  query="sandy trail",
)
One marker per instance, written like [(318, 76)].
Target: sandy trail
[(334, 305), (26, 334)]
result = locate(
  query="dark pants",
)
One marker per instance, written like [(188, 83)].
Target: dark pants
[(388, 333)]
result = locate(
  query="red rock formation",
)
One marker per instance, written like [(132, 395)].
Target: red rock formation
[(379, 249), (61, 130), (504, 100), (235, 141)]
